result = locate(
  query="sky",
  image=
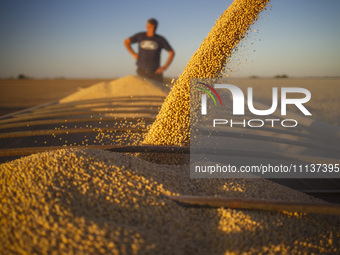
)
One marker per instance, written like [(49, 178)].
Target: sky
[(84, 38)]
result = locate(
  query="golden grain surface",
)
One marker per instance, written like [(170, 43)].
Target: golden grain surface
[(97, 202)]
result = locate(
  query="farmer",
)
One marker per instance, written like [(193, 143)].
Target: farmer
[(149, 51)]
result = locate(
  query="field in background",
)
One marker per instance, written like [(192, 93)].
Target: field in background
[(16, 95)]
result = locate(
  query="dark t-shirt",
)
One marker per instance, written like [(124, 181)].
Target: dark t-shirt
[(149, 50)]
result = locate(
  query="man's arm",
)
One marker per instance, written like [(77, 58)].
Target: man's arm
[(168, 62), (127, 44)]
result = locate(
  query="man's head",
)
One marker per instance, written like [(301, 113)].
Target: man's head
[(151, 25)]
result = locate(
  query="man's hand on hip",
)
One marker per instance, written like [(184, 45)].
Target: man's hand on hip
[(160, 70)]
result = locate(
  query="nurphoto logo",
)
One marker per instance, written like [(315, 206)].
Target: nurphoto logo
[(238, 105)]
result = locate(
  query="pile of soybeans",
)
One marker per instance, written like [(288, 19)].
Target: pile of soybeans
[(125, 86), (82, 201), (97, 202)]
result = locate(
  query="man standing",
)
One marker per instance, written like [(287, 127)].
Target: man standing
[(149, 51)]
